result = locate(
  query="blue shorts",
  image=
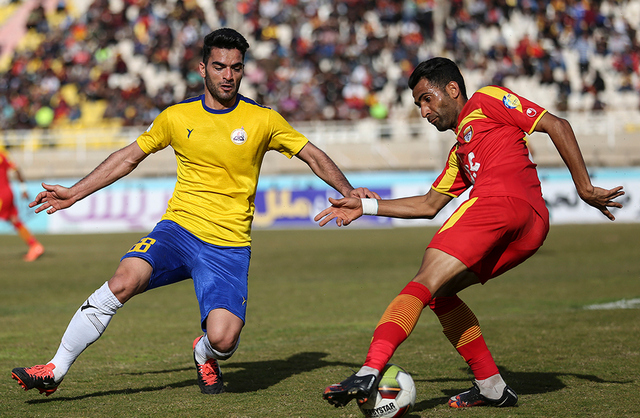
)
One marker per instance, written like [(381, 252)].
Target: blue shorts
[(220, 274)]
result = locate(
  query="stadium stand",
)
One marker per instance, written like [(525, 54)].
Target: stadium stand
[(78, 76)]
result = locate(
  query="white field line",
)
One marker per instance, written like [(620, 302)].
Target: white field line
[(621, 304)]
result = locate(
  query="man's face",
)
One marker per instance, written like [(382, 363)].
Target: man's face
[(222, 76), (435, 105)]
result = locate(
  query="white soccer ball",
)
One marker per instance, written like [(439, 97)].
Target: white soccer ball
[(395, 396)]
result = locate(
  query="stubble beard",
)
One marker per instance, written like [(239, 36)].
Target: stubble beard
[(222, 97)]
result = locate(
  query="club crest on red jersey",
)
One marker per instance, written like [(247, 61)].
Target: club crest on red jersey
[(468, 133)]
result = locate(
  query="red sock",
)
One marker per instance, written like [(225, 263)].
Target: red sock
[(396, 324), (24, 233), (461, 327)]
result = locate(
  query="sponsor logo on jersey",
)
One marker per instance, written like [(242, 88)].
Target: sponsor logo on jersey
[(468, 133), (189, 134), (510, 101), (239, 136), (531, 112)]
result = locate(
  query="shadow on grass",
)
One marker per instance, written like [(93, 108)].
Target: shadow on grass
[(239, 377), (524, 383)]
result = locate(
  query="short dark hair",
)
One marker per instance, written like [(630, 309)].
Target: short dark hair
[(225, 38), (439, 71)]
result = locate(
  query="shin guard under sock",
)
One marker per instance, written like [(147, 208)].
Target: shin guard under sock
[(396, 324), (461, 327), (86, 326)]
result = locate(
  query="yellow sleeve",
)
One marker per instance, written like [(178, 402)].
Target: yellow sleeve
[(157, 136), (284, 138)]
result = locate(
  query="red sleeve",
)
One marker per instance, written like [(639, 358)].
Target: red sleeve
[(452, 180), (511, 109)]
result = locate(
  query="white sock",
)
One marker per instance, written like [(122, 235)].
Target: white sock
[(492, 387), (365, 370), (204, 351), (86, 326)]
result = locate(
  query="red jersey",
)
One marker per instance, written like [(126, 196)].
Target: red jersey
[(491, 152), (7, 208)]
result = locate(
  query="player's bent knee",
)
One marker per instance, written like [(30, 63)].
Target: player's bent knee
[(130, 279), (223, 344), (225, 352)]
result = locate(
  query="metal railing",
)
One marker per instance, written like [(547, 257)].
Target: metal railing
[(607, 138)]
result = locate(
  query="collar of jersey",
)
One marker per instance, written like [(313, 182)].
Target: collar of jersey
[(219, 112)]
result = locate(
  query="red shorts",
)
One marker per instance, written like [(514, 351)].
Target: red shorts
[(491, 235), (7, 208)]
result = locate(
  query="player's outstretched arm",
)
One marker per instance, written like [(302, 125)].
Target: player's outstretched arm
[(116, 166), (347, 210), (564, 139), (324, 167)]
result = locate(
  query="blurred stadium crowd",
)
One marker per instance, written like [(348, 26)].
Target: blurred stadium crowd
[(124, 61)]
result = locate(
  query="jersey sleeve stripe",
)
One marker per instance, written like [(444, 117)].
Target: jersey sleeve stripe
[(533, 126), (475, 115)]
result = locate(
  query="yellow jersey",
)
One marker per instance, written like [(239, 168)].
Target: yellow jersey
[(219, 155)]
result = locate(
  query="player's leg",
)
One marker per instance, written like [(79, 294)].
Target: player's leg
[(462, 329), (523, 233), (87, 325), (219, 343), (164, 250), (220, 282), (396, 325), (35, 247), (223, 334)]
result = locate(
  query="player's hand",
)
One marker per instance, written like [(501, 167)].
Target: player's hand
[(602, 199), (344, 211), (52, 199), (363, 192)]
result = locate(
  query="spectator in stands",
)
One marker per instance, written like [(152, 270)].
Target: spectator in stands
[(564, 91), (309, 51), (597, 88), (584, 48)]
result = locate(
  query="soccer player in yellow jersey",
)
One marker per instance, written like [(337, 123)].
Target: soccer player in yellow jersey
[(220, 139)]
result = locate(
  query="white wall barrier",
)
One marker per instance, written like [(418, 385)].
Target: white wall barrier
[(292, 202)]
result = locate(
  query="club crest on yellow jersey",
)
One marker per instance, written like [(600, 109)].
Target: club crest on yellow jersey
[(239, 136)]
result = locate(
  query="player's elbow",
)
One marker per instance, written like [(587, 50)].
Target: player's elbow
[(551, 124), (425, 211), (430, 213)]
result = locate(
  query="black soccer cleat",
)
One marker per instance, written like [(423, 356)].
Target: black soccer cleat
[(472, 397), (209, 374), (359, 387), (39, 377)]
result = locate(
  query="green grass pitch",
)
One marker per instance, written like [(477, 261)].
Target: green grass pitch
[(315, 297)]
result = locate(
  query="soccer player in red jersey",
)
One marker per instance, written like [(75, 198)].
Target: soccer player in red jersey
[(503, 222), (8, 210)]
